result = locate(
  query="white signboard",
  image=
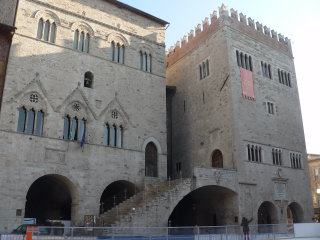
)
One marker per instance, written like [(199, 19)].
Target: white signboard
[(280, 190)]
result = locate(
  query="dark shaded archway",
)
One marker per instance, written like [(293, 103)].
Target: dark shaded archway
[(294, 213), (116, 193), (267, 213), (206, 206), (151, 160), (217, 159), (49, 197)]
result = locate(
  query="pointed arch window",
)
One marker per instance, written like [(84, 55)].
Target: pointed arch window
[(30, 121), (39, 123), (113, 133), (81, 41), (22, 119), (46, 30), (121, 54), (40, 28), (151, 160), (66, 127), (145, 61), (119, 137), (106, 135), (82, 127)]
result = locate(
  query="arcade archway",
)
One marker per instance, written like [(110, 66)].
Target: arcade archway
[(116, 193), (50, 197), (294, 213), (206, 206), (267, 213)]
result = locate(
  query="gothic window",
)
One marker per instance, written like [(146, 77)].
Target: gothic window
[(46, 30), (66, 127), (238, 58), (178, 168), (30, 121), (73, 128), (117, 52), (254, 153), (151, 160), (217, 159), (119, 137), (276, 157), (113, 135), (295, 159), (81, 41), (266, 70), (39, 123), (106, 135), (204, 69), (145, 61), (244, 60), (22, 119), (88, 79), (284, 78)]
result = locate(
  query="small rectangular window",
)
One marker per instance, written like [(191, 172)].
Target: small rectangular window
[(178, 167), (270, 107)]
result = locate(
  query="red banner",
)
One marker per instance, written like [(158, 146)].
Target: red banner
[(247, 84)]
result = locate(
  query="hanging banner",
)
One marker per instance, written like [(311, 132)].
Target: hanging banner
[(247, 84)]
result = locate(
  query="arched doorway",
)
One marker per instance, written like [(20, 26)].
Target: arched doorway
[(49, 197), (116, 193), (267, 214), (206, 206), (151, 160), (294, 213), (217, 159)]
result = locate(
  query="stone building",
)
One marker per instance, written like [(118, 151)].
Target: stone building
[(314, 171), (235, 115), (84, 123)]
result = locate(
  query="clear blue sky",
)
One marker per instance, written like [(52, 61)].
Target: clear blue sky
[(296, 19)]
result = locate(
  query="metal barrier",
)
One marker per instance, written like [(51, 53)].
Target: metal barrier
[(233, 232)]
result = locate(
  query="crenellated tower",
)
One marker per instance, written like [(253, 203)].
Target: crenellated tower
[(236, 108)]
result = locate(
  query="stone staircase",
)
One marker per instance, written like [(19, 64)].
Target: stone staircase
[(133, 210)]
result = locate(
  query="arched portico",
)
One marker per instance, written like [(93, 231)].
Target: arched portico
[(206, 206), (294, 213), (51, 197)]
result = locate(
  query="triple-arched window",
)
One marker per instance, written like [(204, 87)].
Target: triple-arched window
[(266, 70), (244, 60), (74, 129), (117, 52), (276, 156), (46, 30), (113, 135), (295, 160), (145, 61), (284, 78), (30, 121), (81, 41), (254, 153)]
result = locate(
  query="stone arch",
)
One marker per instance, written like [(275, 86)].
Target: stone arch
[(51, 196), (117, 38), (115, 193), (82, 26), (294, 213), (267, 213), (217, 159), (209, 205), (47, 15), (155, 141)]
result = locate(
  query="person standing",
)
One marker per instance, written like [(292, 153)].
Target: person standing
[(245, 227)]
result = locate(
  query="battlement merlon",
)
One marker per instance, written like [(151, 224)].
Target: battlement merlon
[(234, 20)]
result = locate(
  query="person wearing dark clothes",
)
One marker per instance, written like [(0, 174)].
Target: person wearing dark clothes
[(245, 227)]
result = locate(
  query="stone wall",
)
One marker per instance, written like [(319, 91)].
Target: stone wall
[(55, 73)]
